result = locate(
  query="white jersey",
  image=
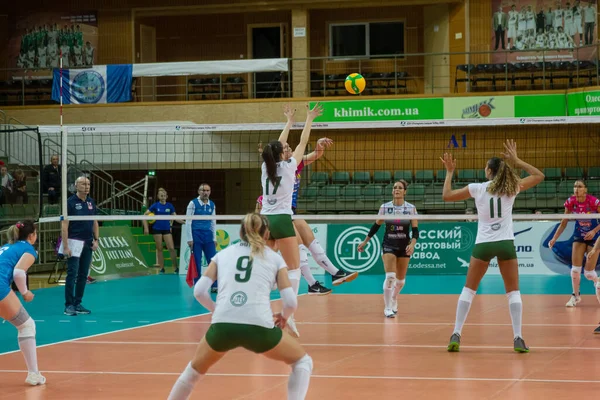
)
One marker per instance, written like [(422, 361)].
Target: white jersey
[(277, 198), (245, 286), (494, 214)]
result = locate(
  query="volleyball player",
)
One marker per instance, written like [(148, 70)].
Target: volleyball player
[(586, 231), (161, 230), (277, 178), (397, 245), (495, 238), (15, 259), (593, 253), (242, 315)]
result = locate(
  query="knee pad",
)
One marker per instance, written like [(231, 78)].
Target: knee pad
[(400, 284), (591, 275), (316, 250), (27, 329), (575, 271), (21, 317), (514, 297), (467, 295), (303, 255), (390, 280), (305, 363)]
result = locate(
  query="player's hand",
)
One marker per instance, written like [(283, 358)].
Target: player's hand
[(289, 112), (551, 242), (410, 249), (510, 152), (95, 245), (449, 162), (590, 235), (66, 252), (592, 252), (28, 296), (260, 148), (324, 143), (317, 111), (361, 247), (279, 320)]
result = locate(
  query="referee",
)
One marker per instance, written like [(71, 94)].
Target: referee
[(80, 233)]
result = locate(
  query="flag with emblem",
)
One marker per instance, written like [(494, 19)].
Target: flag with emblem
[(95, 85)]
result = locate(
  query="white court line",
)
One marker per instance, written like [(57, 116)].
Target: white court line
[(120, 330), (420, 346), (390, 322), (402, 378)]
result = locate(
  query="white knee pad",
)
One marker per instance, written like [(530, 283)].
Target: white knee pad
[(390, 280), (305, 363), (317, 251), (576, 271), (467, 295), (591, 275), (400, 284), (303, 255), (514, 297), (27, 329)]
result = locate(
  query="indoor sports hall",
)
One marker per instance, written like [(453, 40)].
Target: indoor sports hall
[(428, 172)]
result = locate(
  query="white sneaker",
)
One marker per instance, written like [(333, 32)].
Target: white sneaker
[(395, 306), (389, 313), (573, 301), (35, 378), (291, 327)]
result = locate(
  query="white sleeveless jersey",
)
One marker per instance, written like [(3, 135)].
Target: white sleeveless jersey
[(494, 214), (277, 198), (245, 285)]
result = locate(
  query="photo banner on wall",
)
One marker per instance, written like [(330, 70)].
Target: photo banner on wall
[(527, 27), (37, 40)]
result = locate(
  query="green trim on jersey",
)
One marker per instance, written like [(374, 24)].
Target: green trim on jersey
[(281, 226), (503, 249), (222, 337)]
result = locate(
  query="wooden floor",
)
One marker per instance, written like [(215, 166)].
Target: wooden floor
[(357, 353)]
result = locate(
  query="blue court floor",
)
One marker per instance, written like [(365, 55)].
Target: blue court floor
[(135, 302)]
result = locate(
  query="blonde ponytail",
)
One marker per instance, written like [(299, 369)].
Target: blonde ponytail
[(252, 231), (12, 234), (505, 181)]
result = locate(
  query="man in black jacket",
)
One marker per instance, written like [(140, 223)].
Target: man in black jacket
[(51, 180)]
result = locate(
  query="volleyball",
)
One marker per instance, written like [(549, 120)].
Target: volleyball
[(355, 83), (152, 221), (222, 239)]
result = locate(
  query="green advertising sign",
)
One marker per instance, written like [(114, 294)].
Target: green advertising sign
[(541, 105), (442, 248), (479, 107), (381, 110), (583, 103), (118, 254)]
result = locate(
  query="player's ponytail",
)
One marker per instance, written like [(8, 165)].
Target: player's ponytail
[(271, 155), (253, 229), (505, 181), (20, 231)]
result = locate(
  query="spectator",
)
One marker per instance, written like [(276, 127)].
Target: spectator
[(19, 185), (6, 185), (82, 239), (51, 180)]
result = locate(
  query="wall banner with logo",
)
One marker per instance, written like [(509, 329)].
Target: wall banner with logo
[(118, 254), (229, 234)]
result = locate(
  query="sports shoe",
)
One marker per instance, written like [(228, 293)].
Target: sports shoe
[(162, 271), (395, 306), (520, 346), (573, 301), (35, 378), (318, 289), (291, 327), (79, 309), (597, 330), (176, 272), (454, 345), (91, 280), (389, 313), (70, 311), (343, 276)]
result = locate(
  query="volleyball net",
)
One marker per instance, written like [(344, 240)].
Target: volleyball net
[(340, 190)]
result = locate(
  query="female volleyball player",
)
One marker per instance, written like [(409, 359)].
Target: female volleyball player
[(278, 177), (242, 315), (594, 253), (397, 245), (586, 231), (495, 238), (161, 230), (15, 259)]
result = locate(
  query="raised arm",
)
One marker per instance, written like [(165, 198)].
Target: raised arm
[(322, 144), (447, 193), (310, 116), (289, 113), (535, 175)]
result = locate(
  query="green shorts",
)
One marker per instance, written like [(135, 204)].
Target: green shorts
[(222, 337), (281, 226), (503, 249)]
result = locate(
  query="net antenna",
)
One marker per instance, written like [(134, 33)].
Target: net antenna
[(63, 156)]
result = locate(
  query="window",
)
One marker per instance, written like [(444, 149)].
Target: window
[(368, 39)]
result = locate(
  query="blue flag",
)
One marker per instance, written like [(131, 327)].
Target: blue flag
[(95, 85)]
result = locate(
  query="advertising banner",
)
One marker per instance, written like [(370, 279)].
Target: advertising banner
[(229, 234), (118, 254), (584, 103)]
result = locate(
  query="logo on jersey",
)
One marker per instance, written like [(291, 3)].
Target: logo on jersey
[(238, 299), (346, 250)]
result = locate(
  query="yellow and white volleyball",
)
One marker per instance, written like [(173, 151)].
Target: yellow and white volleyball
[(355, 83), (222, 239), (151, 221)]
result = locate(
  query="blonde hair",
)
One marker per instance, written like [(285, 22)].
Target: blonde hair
[(505, 181), (12, 234), (253, 229), (20, 231), (161, 190)]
